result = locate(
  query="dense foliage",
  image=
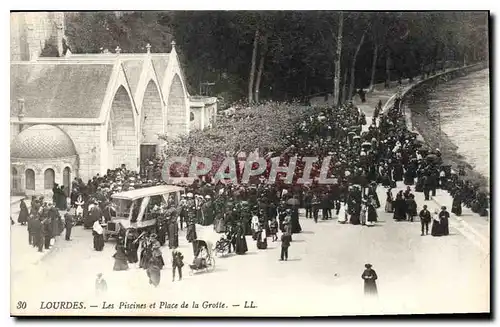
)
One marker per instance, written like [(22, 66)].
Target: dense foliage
[(264, 127), (288, 54)]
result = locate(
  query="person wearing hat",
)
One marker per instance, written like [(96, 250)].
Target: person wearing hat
[(68, 223), (425, 219), (369, 276), (443, 218), (153, 270), (100, 285), (121, 260)]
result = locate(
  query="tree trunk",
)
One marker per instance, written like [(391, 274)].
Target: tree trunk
[(344, 86), (353, 66), (388, 68), (374, 67), (336, 81), (261, 69), (252, 69)]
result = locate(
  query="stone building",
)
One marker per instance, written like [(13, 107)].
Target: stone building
[(32, 32), (79, 115)]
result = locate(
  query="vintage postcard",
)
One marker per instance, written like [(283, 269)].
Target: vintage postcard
[(249, 163)]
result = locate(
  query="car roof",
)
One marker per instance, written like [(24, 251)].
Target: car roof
[(147, 191)]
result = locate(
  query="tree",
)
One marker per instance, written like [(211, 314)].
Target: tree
[(338, 55), (263, 53), (252, 69), (360, 20)]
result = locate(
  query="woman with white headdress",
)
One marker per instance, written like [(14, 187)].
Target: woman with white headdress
[(98, 233), (255, 226), (79, 207), (261, 238)]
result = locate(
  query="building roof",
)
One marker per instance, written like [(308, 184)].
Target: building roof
[(42, 141), (133, 71), (160, 63), (55, 90)]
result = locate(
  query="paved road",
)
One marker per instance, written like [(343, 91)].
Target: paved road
[(416, 274)]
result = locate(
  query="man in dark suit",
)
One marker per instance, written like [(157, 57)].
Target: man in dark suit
[(286, 238), (31, 239), (68, 224), (425, 219), (47, 232), (36, 230)]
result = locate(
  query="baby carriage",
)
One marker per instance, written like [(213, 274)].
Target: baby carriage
[(223, 246), (204, 259)]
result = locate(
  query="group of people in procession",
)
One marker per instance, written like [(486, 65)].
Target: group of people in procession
[(360, 161)]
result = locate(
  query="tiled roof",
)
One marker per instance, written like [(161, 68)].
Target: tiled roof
[(42, 141), (54, 90), (133, 71)]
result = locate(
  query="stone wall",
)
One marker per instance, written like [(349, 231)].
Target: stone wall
[(39, 167), (31, 31), (88, 147), (197, 122), (122, 134), (176, 109), (152, 116)]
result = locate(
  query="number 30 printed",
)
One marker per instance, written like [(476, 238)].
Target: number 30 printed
[(21, 305)]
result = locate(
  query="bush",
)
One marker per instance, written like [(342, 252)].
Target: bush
[(262, 127)]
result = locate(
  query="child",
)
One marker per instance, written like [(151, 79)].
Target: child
[(177, 263), (286, 238), (273, 229)]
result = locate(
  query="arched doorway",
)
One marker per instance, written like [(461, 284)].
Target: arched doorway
[(151, 122), (176, 109), (67, 181), (48, 179), (121, 137), (15, 181), (30, 179)]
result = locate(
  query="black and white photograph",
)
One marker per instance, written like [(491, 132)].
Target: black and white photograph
[(231, 163)]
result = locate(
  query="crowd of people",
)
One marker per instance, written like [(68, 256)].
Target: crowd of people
[(385, 153)]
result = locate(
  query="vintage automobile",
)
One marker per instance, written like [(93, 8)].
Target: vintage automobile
[(135, 209)]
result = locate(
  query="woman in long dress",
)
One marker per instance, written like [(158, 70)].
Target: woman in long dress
[(255, 227), (131, 245), (23, 213), (120, 259), (436, 229), (372, 213), (173, 233), (154, 269), (241, 242), (219, 224), (389, 201), (456, 206), (370, 277), (399, 208), (191, 232), (443, 218), (98, 233), (146, 253), (363, 212), (355, 211), (294, 221), (262, 239)]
